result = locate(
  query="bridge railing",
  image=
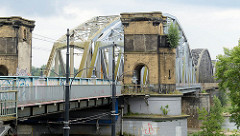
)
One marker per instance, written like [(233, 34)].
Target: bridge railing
[(145, 89), (8, 104), (188, 88), (19, 81), (38, 95), (187, 85)]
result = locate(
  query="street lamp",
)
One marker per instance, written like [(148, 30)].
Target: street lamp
[(93, 75), (66, 127), (113, 94)]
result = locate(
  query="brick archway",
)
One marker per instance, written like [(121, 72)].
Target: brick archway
[(141, 72), (3, 70)]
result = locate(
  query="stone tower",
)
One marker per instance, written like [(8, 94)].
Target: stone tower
[(145, 46), (15, 46)]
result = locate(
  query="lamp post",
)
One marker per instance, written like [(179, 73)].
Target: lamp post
[(113, 94), (75, 75), (66, 127)]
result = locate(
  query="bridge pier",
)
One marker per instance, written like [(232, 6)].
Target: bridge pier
[(190, 104), (154, 114)]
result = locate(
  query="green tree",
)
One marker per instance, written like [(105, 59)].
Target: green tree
[(212, 121), (37, 71), (173, 35), (223, 97), (228, 74)]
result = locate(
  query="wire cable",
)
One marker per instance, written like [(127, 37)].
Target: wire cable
[(43, 49), (44, 36), (42, 39), (48, 38), (78, 119), (91, 118)]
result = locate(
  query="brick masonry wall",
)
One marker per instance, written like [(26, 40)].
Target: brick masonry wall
[(141, 32), (16, 44), (167, 64), (11, 62), (190, 105)]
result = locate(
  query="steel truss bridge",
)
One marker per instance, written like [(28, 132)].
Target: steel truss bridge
[(95, 38)]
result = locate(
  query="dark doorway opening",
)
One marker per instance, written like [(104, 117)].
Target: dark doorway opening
[(141, 74), (3, 70)]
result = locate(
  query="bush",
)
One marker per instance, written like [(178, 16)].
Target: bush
[(212, 122), (173, 36)]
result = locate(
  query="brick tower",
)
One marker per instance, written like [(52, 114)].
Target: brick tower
[(145, 46), (15, 46)]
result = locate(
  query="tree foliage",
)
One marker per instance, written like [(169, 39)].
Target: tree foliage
[(211, 122), (223, 97), (228, 73), (173, 35), (37, 71)]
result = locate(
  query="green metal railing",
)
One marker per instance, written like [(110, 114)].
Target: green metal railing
[(8, 104)]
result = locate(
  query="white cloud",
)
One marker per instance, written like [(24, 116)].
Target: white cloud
[(4, 12), (55, 27), (205, 26), (212, 29)]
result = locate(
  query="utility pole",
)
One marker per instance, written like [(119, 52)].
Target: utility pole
[(113, 94), (66, 127)]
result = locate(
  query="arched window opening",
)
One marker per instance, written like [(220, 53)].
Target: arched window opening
[(3, 70)]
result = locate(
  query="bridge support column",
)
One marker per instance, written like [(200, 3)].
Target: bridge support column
[(158, 115), (190, 104)]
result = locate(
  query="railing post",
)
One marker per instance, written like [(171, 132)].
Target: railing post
[(16, 106)]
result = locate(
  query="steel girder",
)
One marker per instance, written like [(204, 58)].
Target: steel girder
[(98, 35), (185, 72), (101, 30)]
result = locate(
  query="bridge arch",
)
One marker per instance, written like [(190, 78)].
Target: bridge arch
[(203, 65), (94, 36), (3, 70)]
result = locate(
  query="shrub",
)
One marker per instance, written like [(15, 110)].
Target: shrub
[(173, 36), (211, 122)]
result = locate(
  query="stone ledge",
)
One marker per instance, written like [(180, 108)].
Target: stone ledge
[(152, 95), (155, 117), (7, 118)]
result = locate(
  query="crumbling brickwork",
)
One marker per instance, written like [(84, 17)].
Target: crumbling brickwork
[(15, 45), (144, 45)]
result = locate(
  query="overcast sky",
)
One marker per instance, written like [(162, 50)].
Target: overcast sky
[(211, 24)]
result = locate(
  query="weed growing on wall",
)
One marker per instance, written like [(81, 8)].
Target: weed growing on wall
[(164, 110), (173, 35)]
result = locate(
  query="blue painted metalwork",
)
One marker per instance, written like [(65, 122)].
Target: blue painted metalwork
[(18, 81)]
